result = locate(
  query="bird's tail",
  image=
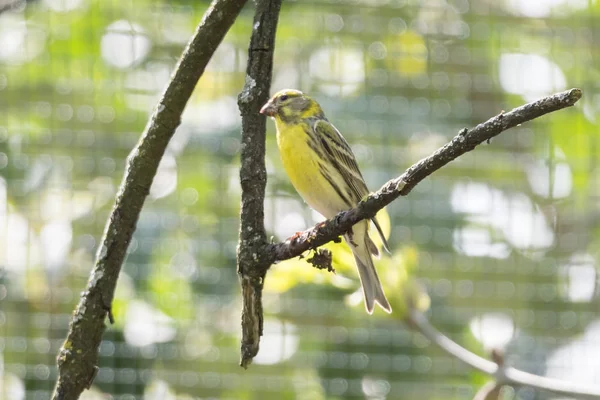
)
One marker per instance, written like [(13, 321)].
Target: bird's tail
[(362, 247)]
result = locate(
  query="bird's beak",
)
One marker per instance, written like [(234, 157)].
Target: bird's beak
[(269, 109)]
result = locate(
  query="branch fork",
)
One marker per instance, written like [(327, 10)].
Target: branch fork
[(78, 356)]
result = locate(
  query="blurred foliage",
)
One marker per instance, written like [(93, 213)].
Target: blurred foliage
[(500, 245)]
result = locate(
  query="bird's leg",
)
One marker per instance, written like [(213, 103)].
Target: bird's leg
[(339, 216), (350, 236), (313, 232)]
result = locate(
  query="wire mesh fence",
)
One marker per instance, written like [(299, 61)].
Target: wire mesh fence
[(504, 240)]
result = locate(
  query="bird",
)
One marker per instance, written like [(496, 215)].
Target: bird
[(323, 169)]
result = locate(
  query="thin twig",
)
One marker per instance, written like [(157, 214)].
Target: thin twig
[(462, 143), (79, 354), (503, 375), (489, 391), (253, 174)]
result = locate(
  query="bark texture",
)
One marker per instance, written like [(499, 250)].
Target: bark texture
[(253, 175)]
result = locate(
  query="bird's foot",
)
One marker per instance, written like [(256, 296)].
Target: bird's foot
[(313, 232), (349, 234), (339, 216)]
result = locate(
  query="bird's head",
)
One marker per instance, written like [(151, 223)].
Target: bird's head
[(290, 104)]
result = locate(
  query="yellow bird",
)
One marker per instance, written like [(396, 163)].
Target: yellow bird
[(323, 169)]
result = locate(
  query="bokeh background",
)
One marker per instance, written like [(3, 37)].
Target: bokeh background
[(501, 244)]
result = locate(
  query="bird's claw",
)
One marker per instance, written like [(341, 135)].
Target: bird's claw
[(339, 216), (349, 234)]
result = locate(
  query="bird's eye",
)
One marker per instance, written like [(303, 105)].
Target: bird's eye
[(284, 97)]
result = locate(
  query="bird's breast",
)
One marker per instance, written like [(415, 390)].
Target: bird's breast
[(302, 166)]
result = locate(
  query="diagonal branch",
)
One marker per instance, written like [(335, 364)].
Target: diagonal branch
[(253, 174), (503, 375), (465, 141), (79, 354)]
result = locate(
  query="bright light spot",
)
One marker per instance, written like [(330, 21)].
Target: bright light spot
[(440, 17), (285, 77), (477, 242), (55, 204), (125, 288), (530, 75), (224, 59), (574, 361), (339, 71), (580, 278), (473, 198), (290, 224), (493, 330), (165, 181), (63, 5), (375, 388), (283, 342), (125, 44), (81, 204), (539, 176), (212, 117), (12, 37), (16, 240), (55, 241), (19, 41), (159, 390), (11, 386), (514, 215), (316, 216), (3, 198), (545, 8), (37, 174), (284, 216), (145, 325)]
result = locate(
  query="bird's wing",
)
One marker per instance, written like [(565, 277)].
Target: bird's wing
[(340, 156)]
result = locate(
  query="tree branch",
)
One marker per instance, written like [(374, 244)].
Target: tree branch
[(79, 354), (255, 255), (465, 141), (503, 375), (253, 174)]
